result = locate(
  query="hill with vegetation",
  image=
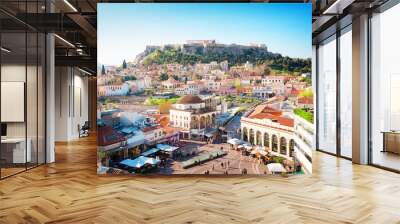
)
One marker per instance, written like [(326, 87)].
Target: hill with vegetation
[(234, 54)]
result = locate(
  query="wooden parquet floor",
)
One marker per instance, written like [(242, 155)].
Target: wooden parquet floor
[(69, 191)]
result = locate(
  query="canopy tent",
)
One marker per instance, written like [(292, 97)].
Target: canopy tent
[(276, 168), (139, 162), (247, 146), (151, 151), (167, 148), (234, 141), (128, 130), (261, 152), (210, 132)]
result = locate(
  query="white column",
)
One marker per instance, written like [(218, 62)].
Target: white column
[(360, 90), (50, 98), (262, 139), (270, 140), (314, 88), (279, 144)]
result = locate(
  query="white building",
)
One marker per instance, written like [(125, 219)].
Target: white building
[(262, 91), (192, 115), (147, 81), (113, 90), (224, 65), (304, 141), (273, 79), (213, 85), (189, 89), (267, 127), (171, 83), (152, 134), (248, 65)]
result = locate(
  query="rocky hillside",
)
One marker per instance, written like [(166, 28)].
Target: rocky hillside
[(234, 54)]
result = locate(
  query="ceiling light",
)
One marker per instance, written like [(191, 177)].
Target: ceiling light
[(332, 7), (64, 40), (86, 72), (337, 7), (70, 5), (5, 50)]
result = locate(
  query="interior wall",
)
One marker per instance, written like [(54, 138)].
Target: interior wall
[(71, 102), (16, 73)]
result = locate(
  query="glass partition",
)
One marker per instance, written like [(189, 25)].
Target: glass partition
[(346, 92), (31, 97), (13, 87), (385, 89), (22, 94), (327, 95)]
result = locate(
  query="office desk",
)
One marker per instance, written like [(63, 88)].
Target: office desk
[(13, 150), (391, 141)]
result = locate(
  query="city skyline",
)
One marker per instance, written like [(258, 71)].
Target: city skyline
[(282, 28)]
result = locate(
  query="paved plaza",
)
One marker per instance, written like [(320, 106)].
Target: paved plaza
[(232, 163)]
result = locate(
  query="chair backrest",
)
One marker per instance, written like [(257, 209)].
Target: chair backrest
[(86, 125)]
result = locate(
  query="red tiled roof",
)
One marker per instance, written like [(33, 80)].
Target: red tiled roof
[(281, 120), (265, 111), (295, 92), (305, 100), (151, 128), (265, 108), (108, 136)]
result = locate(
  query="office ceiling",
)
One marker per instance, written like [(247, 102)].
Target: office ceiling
[(75, 22), (327, 13)]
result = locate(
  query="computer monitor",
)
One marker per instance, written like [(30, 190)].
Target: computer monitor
[(3, 130)]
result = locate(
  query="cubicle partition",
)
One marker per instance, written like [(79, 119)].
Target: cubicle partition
[(22, 77)]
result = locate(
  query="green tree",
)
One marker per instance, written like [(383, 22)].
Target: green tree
[(129, 78), (124, 65), (163, 77), (267, 71), (103, 70)]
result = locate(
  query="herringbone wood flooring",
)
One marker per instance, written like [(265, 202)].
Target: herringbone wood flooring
[(69, 191)]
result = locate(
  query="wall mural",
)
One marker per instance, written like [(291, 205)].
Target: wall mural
[(212, 89)]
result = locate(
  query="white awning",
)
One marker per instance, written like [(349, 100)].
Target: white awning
[(234, 141), (167, 148), (276, 168), (140, 161)]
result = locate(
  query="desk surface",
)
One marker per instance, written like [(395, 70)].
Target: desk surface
[(391, 132), (13, 140)]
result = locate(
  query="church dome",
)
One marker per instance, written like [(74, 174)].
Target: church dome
[(190, 99)]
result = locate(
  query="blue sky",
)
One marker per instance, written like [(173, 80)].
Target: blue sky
[(125, 29)]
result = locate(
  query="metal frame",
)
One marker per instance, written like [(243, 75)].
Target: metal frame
[(338, 75), (44, 71), (338, 33), (316, 97), (324, 36), (387, 5)]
